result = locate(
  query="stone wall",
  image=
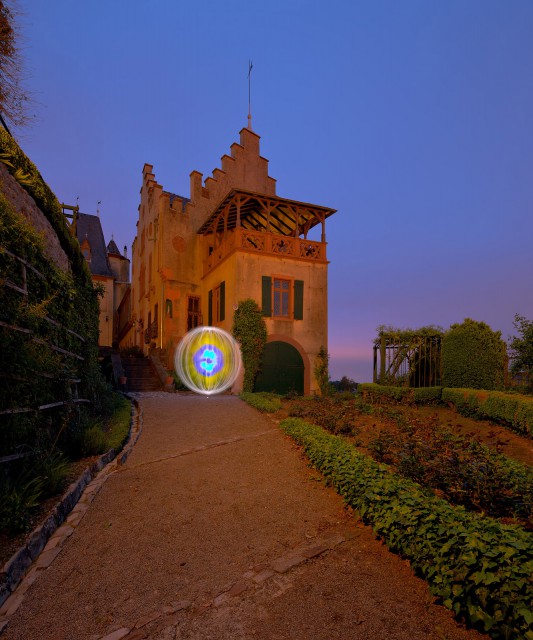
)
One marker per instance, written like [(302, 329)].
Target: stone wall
[(24, 204)]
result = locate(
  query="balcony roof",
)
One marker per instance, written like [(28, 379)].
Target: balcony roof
[(259, 212)]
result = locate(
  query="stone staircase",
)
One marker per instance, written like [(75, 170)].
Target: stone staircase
[(141, 374)]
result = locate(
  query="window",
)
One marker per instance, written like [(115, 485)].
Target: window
[(216, 304), (194, 319), (282, 298), (168, 308)]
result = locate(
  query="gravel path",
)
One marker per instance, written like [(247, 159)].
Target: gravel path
[(215, 528)]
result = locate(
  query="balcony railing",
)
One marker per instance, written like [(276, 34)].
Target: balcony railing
[(267, 244)]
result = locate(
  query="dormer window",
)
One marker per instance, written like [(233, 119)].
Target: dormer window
[(86, 250)]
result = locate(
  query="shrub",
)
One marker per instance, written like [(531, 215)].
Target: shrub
[(18, 498), (474, 565), (512, 409), (93, 441), (265, 402), (473, 356), (118, 426), (419, 395), (54, 470)]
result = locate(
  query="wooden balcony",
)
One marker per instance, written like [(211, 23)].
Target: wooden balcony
[(268, 244)]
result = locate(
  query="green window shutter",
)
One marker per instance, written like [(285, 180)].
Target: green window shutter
[(222, 300), (298, 299), (267, 296), (210, 307)]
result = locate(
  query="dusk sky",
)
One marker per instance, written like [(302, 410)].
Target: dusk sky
[(413, 119)]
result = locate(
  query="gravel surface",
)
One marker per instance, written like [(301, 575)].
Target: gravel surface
[(215, 528)]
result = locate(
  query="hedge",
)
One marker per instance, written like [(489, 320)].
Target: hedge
[(512, 409), (476, 566), (265, 402), (422, 395)]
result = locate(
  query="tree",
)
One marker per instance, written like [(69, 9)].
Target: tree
[(522, 347), (13, 97), (473, 356), (250, 331)]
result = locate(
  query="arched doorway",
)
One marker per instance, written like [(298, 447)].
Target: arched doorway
[(282, 369)]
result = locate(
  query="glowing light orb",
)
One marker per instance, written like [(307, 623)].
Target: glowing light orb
[(208, 360)]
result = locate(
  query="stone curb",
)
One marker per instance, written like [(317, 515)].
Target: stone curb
[(45, 541), (253, 579)]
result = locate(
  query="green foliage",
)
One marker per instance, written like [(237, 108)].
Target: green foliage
[(58, 306), (522, 348), (93, 441), (265, 402), (421, 395), (460, 468), (321, 371), (393, 334), (109, 433), (118, 426), (513, 410), (477, 567), (54, 470), (345, 384), (473, 356), (250, 331), (19, 497), (28, 176)]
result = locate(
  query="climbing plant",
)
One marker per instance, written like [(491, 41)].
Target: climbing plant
[(322, 371), (250, 331)]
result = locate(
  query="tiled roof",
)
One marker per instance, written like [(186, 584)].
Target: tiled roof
[(89, 227), (112, 248)]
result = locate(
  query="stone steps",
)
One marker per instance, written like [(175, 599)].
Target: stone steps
[(141, 375)]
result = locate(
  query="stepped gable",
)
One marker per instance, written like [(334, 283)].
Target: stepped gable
[(89, 231), (244, 169)]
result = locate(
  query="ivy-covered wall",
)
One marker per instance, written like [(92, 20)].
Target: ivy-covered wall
[(50, 374)]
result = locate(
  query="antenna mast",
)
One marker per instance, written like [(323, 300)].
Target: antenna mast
[(250, 66)]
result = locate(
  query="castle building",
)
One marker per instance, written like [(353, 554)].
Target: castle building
[(110, 269), (194, 258)]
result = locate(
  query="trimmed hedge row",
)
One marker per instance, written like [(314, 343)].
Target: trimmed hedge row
[(474, 565), (515, 410), (265, 402), (422, 395)]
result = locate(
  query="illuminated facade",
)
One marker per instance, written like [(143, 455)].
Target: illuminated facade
[(194, 258)]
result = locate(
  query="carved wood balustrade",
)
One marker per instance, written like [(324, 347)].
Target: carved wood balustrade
[(265, 243)]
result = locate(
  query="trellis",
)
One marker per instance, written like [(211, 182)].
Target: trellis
[(408, 359), (16, 279)]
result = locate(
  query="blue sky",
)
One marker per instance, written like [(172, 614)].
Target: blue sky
[(412, 118)]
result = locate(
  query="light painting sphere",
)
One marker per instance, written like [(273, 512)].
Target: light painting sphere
[(208, 360)]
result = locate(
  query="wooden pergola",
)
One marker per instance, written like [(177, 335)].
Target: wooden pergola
[(270, 214)]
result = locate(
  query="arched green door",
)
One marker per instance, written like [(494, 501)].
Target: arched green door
[(282, 369)]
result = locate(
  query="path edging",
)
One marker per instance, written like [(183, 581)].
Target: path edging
[(19, 564)]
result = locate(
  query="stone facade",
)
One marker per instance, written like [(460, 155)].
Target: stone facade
[(194, 258), (25, 204)]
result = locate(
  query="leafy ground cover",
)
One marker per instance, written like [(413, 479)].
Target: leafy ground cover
[(429, 503), (467, 462), (476, 566)]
